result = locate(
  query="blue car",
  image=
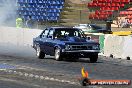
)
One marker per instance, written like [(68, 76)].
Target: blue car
[(65, 42)]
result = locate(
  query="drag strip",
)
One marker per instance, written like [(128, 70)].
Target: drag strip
[(26, 63)]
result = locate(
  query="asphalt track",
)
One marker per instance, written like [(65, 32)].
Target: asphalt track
[(20, 68)]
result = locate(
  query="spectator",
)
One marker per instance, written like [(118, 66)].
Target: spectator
[(124, 23), (119, 22), (19, 22), (29, 22)]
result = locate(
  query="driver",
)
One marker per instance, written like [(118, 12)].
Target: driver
[(58, 34)]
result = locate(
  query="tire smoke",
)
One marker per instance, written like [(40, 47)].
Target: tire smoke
[(7, 12)]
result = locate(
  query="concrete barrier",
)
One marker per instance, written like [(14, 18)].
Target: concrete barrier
[(118, 46), (121, 29), (18, 36), (127, 48)]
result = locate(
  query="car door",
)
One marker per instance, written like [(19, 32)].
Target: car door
[(43, 40), (50, 42)]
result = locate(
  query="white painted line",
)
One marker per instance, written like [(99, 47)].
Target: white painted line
[(47, 78), (10, 71), (36, 76), (21, 74), (59, 80), (72, 83), (62, 80), (52, 79), (6, 70), (14, 71), (2, 69), (56, 79), (40, 77), (26, 74), (31, 75)]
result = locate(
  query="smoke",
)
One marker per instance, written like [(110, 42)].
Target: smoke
[(7, 12)]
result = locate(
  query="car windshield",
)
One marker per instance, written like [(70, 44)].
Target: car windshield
[(96, 27), (63, 33)]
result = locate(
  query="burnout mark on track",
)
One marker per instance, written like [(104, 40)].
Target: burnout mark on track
[(6, 66)]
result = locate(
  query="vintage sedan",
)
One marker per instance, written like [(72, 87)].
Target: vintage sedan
[(65, 42)]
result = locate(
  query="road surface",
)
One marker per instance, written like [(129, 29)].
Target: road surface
[(20, 68)]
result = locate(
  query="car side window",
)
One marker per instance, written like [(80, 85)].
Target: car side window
[(76, 34), (51, 32), (45, 33)]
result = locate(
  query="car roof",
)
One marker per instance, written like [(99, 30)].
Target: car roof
[(63, 28)]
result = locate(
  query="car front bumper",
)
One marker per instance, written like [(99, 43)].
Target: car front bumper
[(80, 51)]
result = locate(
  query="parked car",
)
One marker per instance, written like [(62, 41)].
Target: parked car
[(92, 28), (65, 42)]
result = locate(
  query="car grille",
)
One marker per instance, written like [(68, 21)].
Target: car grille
[(80, 47)]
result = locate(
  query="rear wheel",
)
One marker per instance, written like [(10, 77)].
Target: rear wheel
[(94, 58), (58, 55), (39, 53)]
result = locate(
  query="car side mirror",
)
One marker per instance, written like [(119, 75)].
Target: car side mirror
[(51, 37)]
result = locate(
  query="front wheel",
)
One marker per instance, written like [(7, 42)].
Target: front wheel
[(94, 58), (39, 53), (58, 55)]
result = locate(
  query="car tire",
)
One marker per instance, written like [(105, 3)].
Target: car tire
[(93, 58), (39, 53), (58, 55)]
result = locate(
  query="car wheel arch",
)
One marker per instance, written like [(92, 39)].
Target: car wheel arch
[(37, 44), (57, 46)]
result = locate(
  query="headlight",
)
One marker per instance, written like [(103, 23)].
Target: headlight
[(67, 47), (96, 47)]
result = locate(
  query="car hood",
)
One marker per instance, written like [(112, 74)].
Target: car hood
[(77, 40)]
